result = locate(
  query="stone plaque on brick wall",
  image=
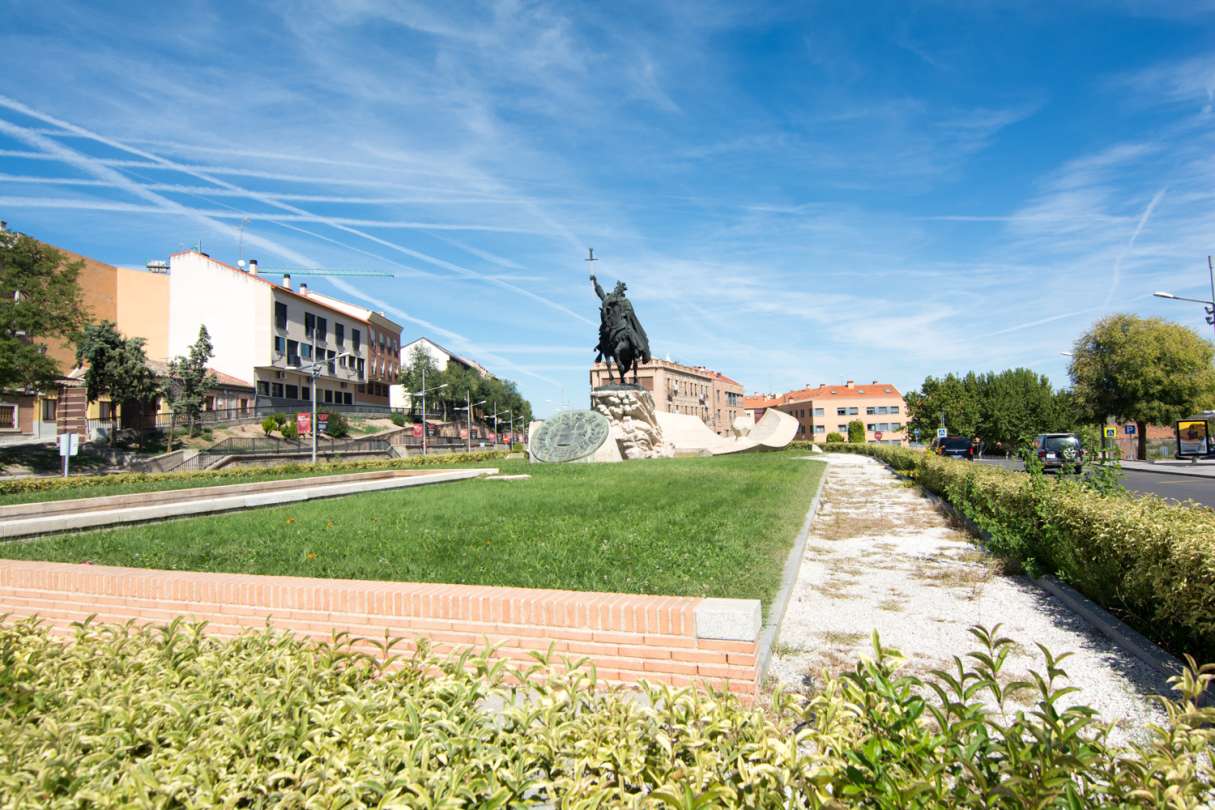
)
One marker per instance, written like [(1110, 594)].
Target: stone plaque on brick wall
[(569, 436)]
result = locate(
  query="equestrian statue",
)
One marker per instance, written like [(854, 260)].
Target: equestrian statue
[(621, 337)]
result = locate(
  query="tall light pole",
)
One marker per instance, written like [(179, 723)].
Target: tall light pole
[(423, 394), (468, 406), (314, 371), (1209, 306)]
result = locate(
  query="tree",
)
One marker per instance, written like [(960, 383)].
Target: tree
[(190, 379), (956, 397), (1143, 370), (419, 370), (39, 299), (114, 365), (1017, 404), (856, 432)]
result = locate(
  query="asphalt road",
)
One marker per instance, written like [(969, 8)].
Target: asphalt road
[(1177, 487)]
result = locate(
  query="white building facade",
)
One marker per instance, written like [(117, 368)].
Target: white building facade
[(266, 333)]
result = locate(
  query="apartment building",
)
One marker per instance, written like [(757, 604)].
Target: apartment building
[(829, 408), (274, 335), (441, 356), (693, 390)]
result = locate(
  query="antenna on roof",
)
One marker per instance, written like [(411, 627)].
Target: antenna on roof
[(240, 245), (590, 255)]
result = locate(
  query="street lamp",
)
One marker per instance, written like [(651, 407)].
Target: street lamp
[(423, 394), (1209, 306), (468, 406), (313, 370)]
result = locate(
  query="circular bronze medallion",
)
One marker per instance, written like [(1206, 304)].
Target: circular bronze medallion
[(570, 435)]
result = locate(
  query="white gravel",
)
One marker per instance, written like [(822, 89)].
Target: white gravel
[(881, 556)]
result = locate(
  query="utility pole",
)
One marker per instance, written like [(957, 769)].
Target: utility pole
[(1208, 306)]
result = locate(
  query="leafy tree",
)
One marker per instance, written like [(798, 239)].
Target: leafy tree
[(856, 432), (956, 397), (40, 299), (1017, 404), (190, 379), (115, 365), (419, 368), (1143, 370)]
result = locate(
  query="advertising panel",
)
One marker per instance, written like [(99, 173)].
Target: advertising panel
[(417, 431), (303, 422), (1191, 438)]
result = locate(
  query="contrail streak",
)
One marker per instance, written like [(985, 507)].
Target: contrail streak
[(93, 167), (1143, 221), (455, 268)]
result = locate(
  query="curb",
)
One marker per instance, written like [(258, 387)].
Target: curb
[(1100, 619), (1152, 468), (793, 564)]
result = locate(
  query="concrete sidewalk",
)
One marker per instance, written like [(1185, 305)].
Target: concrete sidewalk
[(1200, 469)]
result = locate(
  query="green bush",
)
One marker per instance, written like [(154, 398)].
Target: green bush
[(15, 486), (856, 431), (290, 431), (398, 418), (269, 425), (338, 427), (171, 718), (834, 437), (1150, 561)]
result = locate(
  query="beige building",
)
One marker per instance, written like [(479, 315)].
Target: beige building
[(693, 390), (829, 408)]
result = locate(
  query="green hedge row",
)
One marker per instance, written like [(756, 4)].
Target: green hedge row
[(172, 718), (12, 486), (1147, 559)]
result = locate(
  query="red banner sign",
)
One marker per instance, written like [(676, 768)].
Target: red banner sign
[(303, 423), (417, 431)]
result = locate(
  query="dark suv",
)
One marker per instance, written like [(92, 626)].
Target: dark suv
[(1059, 451), (953, 446)]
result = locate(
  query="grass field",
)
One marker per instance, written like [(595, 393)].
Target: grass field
[(697, 527)]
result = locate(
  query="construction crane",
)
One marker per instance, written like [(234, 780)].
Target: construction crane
[(324, 271)]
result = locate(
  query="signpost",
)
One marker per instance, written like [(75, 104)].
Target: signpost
[(322, 423), (69, 445), (942, 433), (1111, 432), (878, 435)]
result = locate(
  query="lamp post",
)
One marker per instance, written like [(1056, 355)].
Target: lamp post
[(423, 394), (468, 406), (1209, 306), (314, 372)]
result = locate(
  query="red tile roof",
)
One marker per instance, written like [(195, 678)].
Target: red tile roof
[(726, 379), (760, 401), (858, 391)]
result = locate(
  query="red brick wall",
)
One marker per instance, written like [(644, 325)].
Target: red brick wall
[(627, 637)]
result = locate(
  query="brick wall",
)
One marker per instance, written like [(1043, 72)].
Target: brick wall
[(627, 637)]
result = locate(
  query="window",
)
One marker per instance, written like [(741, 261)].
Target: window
[(362, 368), (354, 338), (276, 390), (306, 351), (322, 329), (293, 352), (841, 411), (263, 388), (8, 417), (328, 397), (309, 323), (48, 410), (853, 411), (293, 392), (896, 426), (818, 412), (894, 409), (820, 428), (347, 398), (871, 427), (280, 344), (339, 334), (280, 315), (870, 411)]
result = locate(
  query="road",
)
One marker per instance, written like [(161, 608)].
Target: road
[(1177, 487)]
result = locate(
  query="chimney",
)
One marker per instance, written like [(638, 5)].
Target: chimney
[(287, 280), (303, 288), (253, 267), (875, 382), (851, 384)]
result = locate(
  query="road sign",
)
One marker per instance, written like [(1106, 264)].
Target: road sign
[(878, 435), (1111, 432), (942, 433), (1129, 429), (69, 444), (322, 423)]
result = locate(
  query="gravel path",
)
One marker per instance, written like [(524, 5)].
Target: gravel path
[(880, 555)]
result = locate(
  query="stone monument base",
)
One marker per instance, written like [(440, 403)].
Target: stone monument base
[(635, 432)]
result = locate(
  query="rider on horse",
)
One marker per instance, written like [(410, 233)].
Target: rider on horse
[(621, 337)]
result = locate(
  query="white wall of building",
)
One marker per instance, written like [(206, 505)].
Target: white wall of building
[(237, 309)]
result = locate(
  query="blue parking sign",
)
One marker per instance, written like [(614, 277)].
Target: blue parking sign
[(1129, 429)]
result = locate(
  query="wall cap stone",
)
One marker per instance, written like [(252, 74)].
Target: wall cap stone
[(728, 619)]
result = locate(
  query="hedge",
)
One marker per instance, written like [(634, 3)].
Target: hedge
[(1146, 559), (12, 486), (122, 717)]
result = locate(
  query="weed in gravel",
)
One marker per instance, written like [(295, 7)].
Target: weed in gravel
[(785, 650)]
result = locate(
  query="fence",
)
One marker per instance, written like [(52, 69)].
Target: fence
[(258, 446)]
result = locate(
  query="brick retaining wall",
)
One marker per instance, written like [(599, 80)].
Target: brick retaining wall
[(668, 639)]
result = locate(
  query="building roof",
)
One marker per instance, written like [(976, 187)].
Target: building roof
[(354, 310), (848, 390), (473, 364), (727, 380), (760, 401)]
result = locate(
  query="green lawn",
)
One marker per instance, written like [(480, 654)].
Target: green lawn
[(698, 526)]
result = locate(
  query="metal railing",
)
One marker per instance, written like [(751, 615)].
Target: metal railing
[(266, 445)]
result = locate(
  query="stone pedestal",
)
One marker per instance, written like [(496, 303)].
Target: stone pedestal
[(635, 431)]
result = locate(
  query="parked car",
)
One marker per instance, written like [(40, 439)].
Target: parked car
[(953, 447), (1059, 451)]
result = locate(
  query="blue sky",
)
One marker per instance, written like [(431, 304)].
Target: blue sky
[(794, 192)]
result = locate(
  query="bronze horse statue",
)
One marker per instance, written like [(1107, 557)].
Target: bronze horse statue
[(621, 337)]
